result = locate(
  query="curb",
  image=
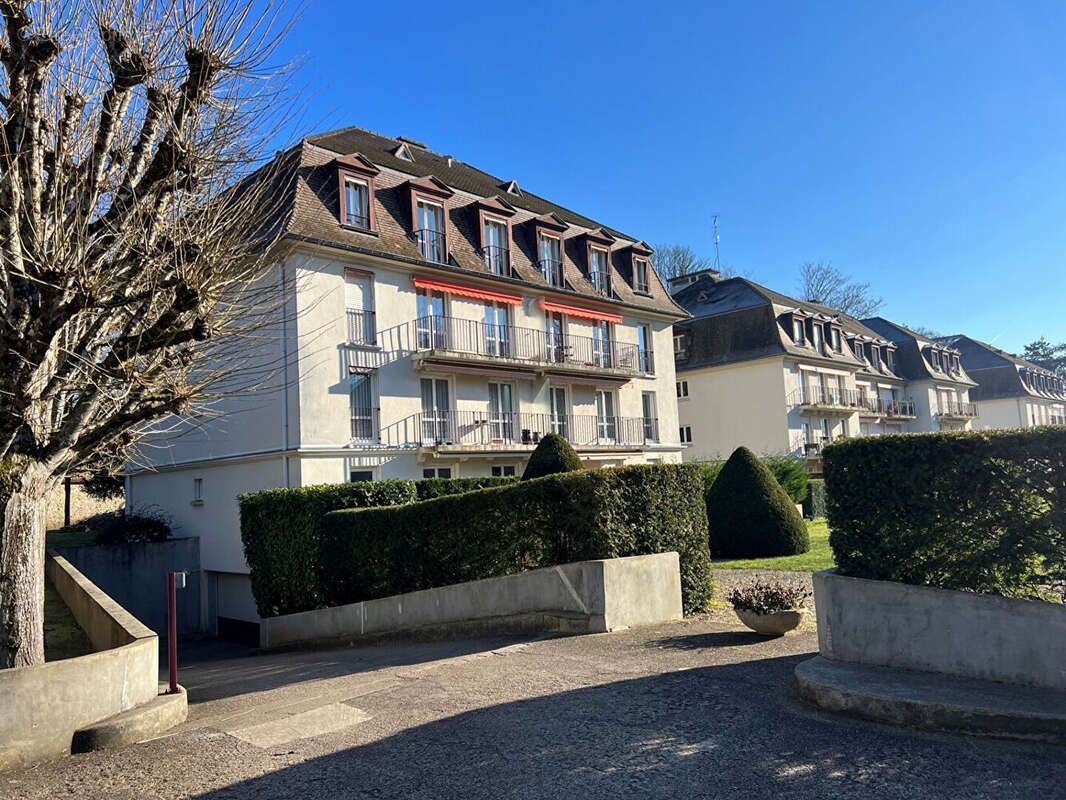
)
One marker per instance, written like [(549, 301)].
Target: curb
[(931, 701), (135, 725)]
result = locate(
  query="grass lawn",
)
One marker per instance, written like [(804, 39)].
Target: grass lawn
[(69, 537), (63, 638), (819, 557)]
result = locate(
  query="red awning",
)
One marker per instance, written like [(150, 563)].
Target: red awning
[(467, 291), (576, 311)]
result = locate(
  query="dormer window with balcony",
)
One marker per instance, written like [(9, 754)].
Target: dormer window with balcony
[(640, 275), (639, 263), (429, 217), (548, 233), (598, 243), (494, 218), (355, 182)]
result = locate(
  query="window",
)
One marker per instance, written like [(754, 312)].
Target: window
[(601, 343), (640, 275), (858, 350), (680, 346), (651, 418), (355, 192), (686, 434), (816, 336), (875, 356), (501, 416), (431, 325), (647, 362), (361, 476), (606, 422), (497, 329), (503, 470), (430, 231), (198, 491), (497, 254), (359, 307), (436, 414), (437, 472), (890, 358), (356, 203), (598, 276), (956, 365), (560, 411), (936, 360), (682, 388), (797, 331), (555, 335), (835, 338), (362, 408), (549, 252)]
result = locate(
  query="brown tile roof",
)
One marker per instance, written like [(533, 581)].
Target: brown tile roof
[(312, 213)]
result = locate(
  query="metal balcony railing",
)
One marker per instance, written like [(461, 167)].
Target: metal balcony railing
[(494, 428), (498, 260), (901, 408), (432, 245), (365, 424), (355, 219), (814, 443), (455, 335), (362, 327), (601, 282), (822, 396), (956, 408), (552, 270), (1056, 419), (870, 404)]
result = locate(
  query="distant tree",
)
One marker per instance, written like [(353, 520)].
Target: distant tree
[(1047, 355), (821, 282), (675, 260), (922, 330)]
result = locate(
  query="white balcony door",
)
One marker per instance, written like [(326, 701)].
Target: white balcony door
[(501, 418), (601, 343), (651, 416), (435, 414), (496, 246), (606, 423), (560, 411), (431, 231), (431, 322), (362, 400), (556, 338), (359, 307), (497, 329)]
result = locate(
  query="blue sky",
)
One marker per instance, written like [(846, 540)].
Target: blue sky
[(919, 146)]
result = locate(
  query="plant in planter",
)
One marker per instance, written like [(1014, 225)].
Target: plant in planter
[(770, 607)]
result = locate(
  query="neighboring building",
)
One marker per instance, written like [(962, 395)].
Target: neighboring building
[(937, 380), (438, 322), (1012, 392), (780, 375)]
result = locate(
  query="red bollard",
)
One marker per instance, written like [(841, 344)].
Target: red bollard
[(172, 631)]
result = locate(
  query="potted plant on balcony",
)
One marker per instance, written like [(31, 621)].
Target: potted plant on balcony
[(772, 608)]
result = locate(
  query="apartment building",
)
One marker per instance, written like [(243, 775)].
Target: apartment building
[(438, 322), (782, 375), (1012, 392)]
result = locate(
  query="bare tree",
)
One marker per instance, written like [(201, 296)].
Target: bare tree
[(132, 256), (823, 283), (675, 260)]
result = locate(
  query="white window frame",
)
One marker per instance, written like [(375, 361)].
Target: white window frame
[(685, 434), (682, 389), (364, 207)]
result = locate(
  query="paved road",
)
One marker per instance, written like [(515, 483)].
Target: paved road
[(697, 709)]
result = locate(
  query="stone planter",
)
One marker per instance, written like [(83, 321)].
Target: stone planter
[(776, 623)]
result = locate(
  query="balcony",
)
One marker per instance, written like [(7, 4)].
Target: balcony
[(601, 282), (814, 443), (820, 400), (901, 409), (366, 427), (493, 431), (362, 327), (552, 271), (498, 260), (956, 410), (1056, 419), (443, 339), (432, 245), (895, 409)]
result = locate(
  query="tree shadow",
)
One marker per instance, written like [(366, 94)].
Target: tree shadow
[(710, 732), (700, 641)]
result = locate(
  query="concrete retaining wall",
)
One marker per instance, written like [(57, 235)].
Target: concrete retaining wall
[(135, 576), (589, 596), (958, 633), (42, 706)]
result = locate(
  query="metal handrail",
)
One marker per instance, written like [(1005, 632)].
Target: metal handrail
[(486, 427), (601, 282), (356, 220), (820, 396), (901, 408), (957, 408), (552, 270), (366, 424), (362, 326), (432, 244), (498, 260)]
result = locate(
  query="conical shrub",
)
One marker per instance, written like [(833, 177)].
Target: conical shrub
[(553, 454), (749, 515)]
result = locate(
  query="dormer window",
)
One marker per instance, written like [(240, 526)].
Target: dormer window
[(494, 217), (858, 350), (956, 365), (875, 356), (355, 187), (816, 336), (640, 275), (834, 336), (890, 359), (429, 217), (797, 331), (936, 360), (550, 257), (598, 274)]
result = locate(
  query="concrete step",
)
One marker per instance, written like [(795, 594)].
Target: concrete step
[(136, 725), (933, 701)]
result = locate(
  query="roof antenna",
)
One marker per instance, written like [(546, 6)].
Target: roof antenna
[(717, 241)]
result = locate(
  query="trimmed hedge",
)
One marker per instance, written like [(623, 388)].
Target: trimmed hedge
[(750, 515), (814, 506), (982, 512), (551, 456), (557, 519), (789, 471), (280, 531)]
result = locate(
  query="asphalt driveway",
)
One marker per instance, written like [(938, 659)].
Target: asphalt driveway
[(686, 710)]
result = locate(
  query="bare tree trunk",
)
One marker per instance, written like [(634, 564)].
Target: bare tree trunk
[(22, 569)]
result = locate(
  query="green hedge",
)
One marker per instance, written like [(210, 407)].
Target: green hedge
[(789, 471), (983, 512), (556, 519), (814, 506), (280, 531)]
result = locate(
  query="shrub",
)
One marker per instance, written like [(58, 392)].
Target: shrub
[(765, 597), (280, 531), (789, 471), (749, 515), (553, 455), (145, 525), (814, 506), (983, 512), (557, 519)]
